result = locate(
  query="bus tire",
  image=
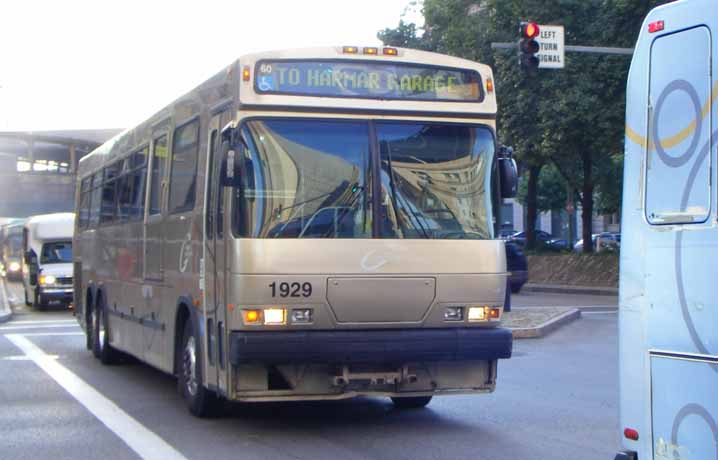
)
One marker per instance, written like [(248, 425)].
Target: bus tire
[(410, 402), (101, 347), (38, 302), (27, 300), (201, 401)]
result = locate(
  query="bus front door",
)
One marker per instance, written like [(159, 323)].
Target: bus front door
[(215, 261)]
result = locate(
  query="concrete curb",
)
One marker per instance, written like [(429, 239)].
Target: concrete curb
[(5, 308), (564, 289), (547, 327)]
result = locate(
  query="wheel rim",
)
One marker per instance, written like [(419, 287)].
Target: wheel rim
[(190, 366)]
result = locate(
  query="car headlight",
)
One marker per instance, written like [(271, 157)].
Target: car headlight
[(14, 266), (47, 279)]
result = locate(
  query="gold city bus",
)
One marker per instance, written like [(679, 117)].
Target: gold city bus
[(307, 224)]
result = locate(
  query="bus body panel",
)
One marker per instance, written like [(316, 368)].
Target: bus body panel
[(668, 322)]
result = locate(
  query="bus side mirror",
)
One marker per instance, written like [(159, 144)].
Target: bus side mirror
[(509, 177)]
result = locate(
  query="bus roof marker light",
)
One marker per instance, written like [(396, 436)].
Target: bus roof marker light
[(656, 26), (387, 51), (245, 73), (350, 50), (631, 434), (489, 85), (371, 50)]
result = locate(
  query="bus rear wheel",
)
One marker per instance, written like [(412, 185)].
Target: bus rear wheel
[(201, 401), (411, 402), (101, 347)]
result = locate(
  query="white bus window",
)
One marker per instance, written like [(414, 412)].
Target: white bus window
[(159, 163), (185, 143), (302, 179), (124, 192), (434, 180), (677, 164)]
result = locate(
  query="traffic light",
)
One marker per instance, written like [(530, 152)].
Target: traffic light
[(528, 46)]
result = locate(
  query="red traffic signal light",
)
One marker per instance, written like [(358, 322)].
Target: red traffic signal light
[(528, 46), (529, 30)]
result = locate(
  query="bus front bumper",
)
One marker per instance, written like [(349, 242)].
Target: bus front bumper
[(370, 346)]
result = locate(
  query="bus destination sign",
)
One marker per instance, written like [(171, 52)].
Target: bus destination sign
[(368, 79)]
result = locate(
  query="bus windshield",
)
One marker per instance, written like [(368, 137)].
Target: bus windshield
[(59, 252), (313, 179)]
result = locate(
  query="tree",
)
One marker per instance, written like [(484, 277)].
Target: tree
[(571, 119)]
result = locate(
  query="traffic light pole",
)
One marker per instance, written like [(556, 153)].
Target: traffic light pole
[(573, 48)]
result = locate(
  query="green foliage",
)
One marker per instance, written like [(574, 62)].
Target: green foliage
[(551, 194), (571, 119)]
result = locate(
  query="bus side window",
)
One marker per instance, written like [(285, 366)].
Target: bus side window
[(96, 199), (159, 163), (183, 174), (138, 178), (109, 193), (84, 215)]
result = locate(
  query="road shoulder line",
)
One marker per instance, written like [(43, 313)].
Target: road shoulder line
[(139, 438), (5, 308)]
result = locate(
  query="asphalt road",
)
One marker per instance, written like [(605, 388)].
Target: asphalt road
[(555, 399)]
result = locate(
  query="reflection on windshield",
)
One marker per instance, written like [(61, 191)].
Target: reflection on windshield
[(434, 180), (303, 179), (56, 253), (312, 179)]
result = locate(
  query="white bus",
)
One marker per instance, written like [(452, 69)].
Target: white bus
[(668, 319), (306, 224), (47, 259)]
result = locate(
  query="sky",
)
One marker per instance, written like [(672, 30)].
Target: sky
[(76, 64)]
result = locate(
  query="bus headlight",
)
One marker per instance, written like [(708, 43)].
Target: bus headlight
[(484, 313), (47, 279), (302, 315), (454, 314), (14, 266), (275, 316)]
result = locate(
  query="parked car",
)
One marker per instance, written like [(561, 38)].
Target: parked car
[(517, 265), (520, 237), (607, 240)]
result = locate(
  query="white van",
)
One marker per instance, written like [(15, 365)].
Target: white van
[(47, 261)]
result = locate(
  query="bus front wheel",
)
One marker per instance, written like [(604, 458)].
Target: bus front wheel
[(201, 401), (411, 402)]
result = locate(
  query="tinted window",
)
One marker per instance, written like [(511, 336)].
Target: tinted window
[(56, 253), (84, 207), (434, 180), (96, 199), (159, 163), (185, 143), (303, 178), (109, 192)]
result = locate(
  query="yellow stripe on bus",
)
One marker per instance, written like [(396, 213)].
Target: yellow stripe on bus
[(682, 135)]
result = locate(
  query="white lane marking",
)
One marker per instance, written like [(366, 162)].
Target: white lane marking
[(4, 295), (47, 334), (48, 321), (143, 441), (599, 312), (25, 358), (40, 326)]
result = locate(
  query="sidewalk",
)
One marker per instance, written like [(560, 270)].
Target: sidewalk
[(535, 322), (5, 309), (567, 289)]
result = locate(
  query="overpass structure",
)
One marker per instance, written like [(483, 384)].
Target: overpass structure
[(38, 168)]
